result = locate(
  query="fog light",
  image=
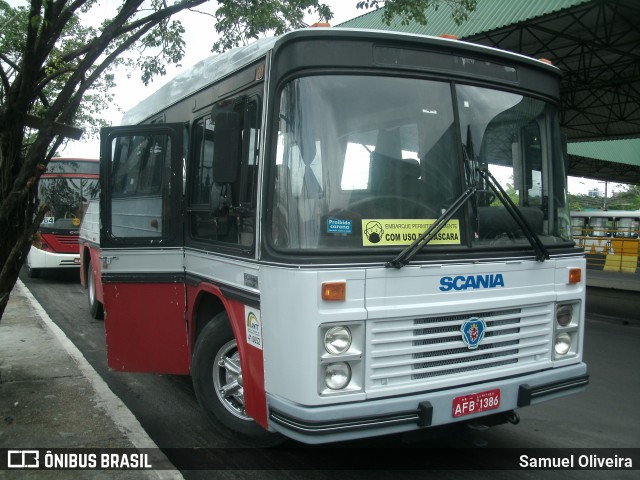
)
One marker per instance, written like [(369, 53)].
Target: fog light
[(564, 314), (337, 375), (563, 343), (337, 340)]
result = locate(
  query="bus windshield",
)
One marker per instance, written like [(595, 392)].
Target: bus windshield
[(66, 188), (366, 162)]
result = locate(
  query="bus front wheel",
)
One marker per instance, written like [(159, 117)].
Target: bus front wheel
[(217, 380)]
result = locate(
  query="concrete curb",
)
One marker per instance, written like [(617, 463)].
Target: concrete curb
[(25, 319)]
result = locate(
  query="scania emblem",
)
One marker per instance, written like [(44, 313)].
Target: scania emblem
[(473, 332)]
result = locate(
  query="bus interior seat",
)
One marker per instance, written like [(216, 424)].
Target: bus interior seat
[(397, 182), (496, 221)]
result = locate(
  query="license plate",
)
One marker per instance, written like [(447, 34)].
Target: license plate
[(476, 402)]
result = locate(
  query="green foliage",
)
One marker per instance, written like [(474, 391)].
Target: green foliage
[(404, 12), (167, 38), (56, 71), (627, 199), (241, 21)]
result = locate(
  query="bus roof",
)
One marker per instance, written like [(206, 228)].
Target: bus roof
[(605, 213), (74, 159), (72, 167), (196, 78), (214, 68)]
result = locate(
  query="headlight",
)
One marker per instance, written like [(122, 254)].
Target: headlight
[(564, 315), (337, 340), (563, 343), (337, 375)]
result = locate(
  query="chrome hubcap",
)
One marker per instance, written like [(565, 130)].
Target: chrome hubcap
[(227, 380)]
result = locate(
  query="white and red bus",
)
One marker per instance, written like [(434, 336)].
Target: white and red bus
[(318, 229), (66, 188)]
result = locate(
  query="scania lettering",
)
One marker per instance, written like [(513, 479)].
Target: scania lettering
[(344, 233), (474, 281)]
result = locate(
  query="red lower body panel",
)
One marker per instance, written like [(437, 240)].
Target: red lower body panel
[(145, 327)]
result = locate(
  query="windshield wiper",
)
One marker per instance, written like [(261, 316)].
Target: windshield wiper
[(542, 253), (406, 255)]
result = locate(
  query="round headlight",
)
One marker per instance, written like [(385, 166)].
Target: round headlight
[(337, 340), (564, 314), (337, 375), (563, 344)]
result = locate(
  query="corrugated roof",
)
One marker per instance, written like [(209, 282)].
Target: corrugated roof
[(501, 15), (619, 151), (488, 15)]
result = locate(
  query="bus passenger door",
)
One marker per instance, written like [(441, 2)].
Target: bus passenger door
[(142, 255)]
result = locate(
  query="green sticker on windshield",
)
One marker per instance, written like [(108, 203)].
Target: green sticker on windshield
[(385, 232)]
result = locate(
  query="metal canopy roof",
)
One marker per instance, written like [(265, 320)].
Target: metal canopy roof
[(596, 44), (613, 160)]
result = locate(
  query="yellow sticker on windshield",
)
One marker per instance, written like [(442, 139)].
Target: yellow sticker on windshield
[(380, 232)]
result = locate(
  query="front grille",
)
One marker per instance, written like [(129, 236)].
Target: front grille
[(428, 349), (66, 239)]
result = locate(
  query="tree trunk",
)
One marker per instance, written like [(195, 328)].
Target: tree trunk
[(18, 219), (13, 260)]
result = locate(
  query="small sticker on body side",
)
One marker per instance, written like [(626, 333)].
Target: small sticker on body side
[(253, 323)]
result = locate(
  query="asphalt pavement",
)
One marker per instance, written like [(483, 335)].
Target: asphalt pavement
[(51, 398)]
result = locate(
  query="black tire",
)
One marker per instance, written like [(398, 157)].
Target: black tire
[(32, 272), (215, 365), (95, 307)]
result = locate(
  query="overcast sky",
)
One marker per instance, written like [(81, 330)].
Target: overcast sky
[(199, 37)]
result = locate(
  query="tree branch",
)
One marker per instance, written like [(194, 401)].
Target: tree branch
[(111, 31), (43, 83)]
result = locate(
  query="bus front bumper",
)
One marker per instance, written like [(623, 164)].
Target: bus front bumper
[(42, 259), (348, 421)]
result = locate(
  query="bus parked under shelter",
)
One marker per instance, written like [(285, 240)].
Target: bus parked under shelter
[(316, 228), (610, 238)]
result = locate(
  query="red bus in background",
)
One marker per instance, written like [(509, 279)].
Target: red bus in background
[(66, 188)]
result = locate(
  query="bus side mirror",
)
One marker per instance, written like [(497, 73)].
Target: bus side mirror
[(227, 147)]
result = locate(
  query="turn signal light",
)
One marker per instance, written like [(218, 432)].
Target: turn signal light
[(334, 291), (575, 275)]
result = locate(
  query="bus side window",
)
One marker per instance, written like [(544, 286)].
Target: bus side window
[(140, 169), (600, 227), (224, 175), (626, 227)]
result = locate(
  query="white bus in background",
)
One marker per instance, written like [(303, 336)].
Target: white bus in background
[(316, 228), (66, 188), (609, 237)]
